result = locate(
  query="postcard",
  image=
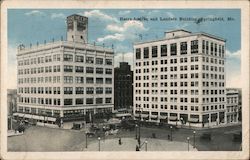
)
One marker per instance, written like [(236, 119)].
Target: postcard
[(123, 80)]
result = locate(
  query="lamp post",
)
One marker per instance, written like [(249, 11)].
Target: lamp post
[(86, 136), (136, 126), (146, 145), (171, 134), (139, 127), (99, 146), (194, 138), (181, 121), (188, 142)]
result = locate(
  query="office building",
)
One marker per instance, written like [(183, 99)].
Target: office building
[(65, 80), (123, 81), (180, 79), (233, 105)]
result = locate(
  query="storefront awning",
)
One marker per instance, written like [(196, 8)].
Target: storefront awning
[(173, 118), (163, 117), (154, 116), (144, 115), (195, 120)]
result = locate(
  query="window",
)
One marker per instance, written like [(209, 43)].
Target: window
[(183, 48), (173, 49), (79, 79), (79, 101), (90, 60), (90, 80), (89, 101), (99, 90), (146, 52), (203, 46), (108, 80), (68, 68), (194, 46), (67, 57), (68, 101), (138, 53), (89, 70), (78, 69), (79, 58), (79, 90), (68, 79), (99, 61), (108, 90), (68, 90), (108, 61), (90, 90), (108, 100), (98, 100), (108, 71), (163, 50), (99, 80), (154, 51), (212, 48), (99, 70)]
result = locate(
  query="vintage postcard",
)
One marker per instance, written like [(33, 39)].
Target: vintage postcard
[(124, 80)]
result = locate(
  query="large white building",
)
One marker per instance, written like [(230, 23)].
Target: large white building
[(180, 79), (65, 79), (232, 110)]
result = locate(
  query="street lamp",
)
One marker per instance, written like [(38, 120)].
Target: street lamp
[(146, 145), (136, 126), (171, 135), (139, 126), (194, 138), (99, 139), (188, 142), (86, 136), (181, 122)]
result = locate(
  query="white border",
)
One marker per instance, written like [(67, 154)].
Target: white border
[(243, 5)]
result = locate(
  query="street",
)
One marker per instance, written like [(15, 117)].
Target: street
[(37, 138)]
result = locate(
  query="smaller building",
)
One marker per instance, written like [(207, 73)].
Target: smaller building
[(11, 105), (232, 106), (123, 80)]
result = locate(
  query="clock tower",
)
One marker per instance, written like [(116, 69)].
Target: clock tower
[(77, 28)]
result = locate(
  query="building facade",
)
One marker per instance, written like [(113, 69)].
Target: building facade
[(65, 79), (123, 81), (233, 105), (180, 79)]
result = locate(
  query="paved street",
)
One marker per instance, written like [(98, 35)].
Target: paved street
[(37, 138), (129, 144)]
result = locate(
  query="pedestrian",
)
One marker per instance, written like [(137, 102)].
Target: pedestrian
[(137, 148), (120, 141), (168, 137)]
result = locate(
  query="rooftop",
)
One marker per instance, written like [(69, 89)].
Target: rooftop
[(47, 46), (187, 34)]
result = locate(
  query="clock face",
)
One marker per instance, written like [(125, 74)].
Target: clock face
[(81, 26)]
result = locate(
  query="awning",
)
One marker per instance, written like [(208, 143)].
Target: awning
[(27, 116), (123, 115), (51, 119), (163, 117), (173, 118), (136, 115), (18, 114), (154, 116), (144, 115), (193, 120)]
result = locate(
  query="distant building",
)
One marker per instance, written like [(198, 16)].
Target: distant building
[(180, 79), (123, 80), (11, 105), (233, 107), (66, 80)]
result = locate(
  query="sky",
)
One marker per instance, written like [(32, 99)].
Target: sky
[(112, 27)]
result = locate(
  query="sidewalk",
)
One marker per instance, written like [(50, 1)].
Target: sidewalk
[(11, 133), (129, 144), (206, 128)]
